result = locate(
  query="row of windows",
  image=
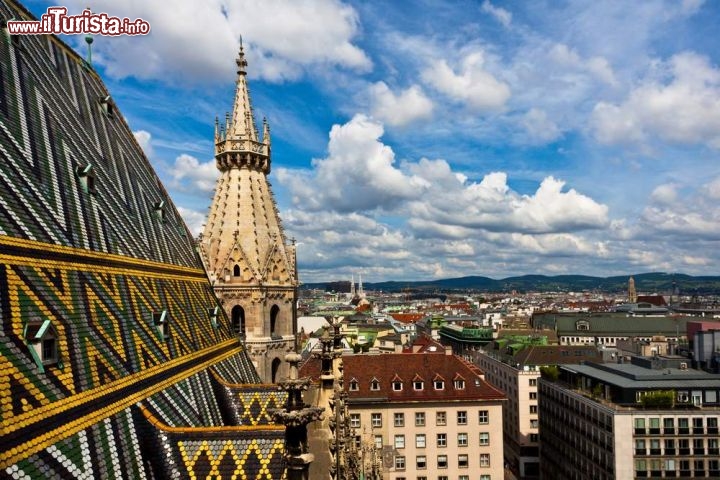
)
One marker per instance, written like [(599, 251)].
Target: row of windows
[(652, 446), (440, 440), (440, 418), (652, 425), (418, 385), (669, 465), (421, 462), (445, 477)]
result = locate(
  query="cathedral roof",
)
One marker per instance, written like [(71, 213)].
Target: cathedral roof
[(115, 358)]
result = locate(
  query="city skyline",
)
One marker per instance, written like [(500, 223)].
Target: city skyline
[(482, 138)]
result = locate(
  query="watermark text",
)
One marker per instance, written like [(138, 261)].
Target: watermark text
[(56, 21)]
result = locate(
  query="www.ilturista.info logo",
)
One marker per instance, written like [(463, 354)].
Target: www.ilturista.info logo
[(57, 21)]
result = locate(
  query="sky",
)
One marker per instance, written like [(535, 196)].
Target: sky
[(437, 139)]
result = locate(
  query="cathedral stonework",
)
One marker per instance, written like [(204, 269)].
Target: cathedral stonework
[(250, 264)]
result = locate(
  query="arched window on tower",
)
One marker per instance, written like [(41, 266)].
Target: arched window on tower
[(238, 320), (236, 270), (275, 369), (274, 311)]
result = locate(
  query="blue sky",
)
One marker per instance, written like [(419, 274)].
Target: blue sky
[(430, 139)]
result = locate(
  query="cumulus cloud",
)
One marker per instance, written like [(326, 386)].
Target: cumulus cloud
[(286, 35), (358, 173), (194, 220), (500, 14), (564, 56), (682, 106), (144, 139), (399, 109), (189, 174), (664, 194), (469, 83)]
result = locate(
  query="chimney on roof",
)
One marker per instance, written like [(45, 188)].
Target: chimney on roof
[(448, 350)]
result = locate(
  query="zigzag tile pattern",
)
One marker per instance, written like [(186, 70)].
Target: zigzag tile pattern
[(113, 270)]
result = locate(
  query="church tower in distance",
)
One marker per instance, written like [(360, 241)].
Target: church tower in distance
[(244, 249)]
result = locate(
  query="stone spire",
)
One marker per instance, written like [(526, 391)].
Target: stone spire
[(243, 245), (632, 293)]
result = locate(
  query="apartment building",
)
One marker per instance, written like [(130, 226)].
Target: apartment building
[(425, 416), (515, 370), (649, 418)]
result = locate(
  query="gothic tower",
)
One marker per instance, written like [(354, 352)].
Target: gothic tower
[(247, 257), (632, 293)]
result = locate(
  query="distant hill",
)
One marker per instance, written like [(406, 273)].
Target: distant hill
[(656, 282)]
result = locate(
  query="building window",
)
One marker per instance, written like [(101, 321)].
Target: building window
[(483, 417), (159, 210), (376, 420), (439, 384), (534, 437), (484, 438), (533, 395), (418, 385), (485, 477), (442, 461), (441, 440), (419, 419), (459, 384), (355, 420), (421, 462), (354, 385), (532, 382), (440, 477), (236, 271), (399, 441), (378, 441), (440, 418), (420, 440), (533, 408), (399, 462), (107, 106), (397, 386), (399, 419), (533, 424), (462, 439), (484, 459), (463, 461), (462, 417), (640, 426), (374, 384)]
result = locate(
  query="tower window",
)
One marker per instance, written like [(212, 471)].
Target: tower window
[(274, 311), (236, 270), (238, 320)]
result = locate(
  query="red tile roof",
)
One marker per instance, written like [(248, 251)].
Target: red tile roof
[(409, 366), (407, 317)]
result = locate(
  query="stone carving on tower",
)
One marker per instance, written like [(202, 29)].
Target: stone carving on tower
[(251, 265)]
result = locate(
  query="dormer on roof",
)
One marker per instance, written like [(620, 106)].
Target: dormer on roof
[(160, 320), (42, 340), (86, 178), (418, 382), (438, 382), (397, 383), (354, 385), (374, 384), (459, 382)]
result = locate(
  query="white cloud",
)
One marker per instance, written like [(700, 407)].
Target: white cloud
[(471, 85), (194, 220), (539, 127), (684, 108), (599, 67), (665, 194), (189, 174), (286, 35), (144, 139), (358, 173), (500, 14), (397, 110), (712, 189)]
